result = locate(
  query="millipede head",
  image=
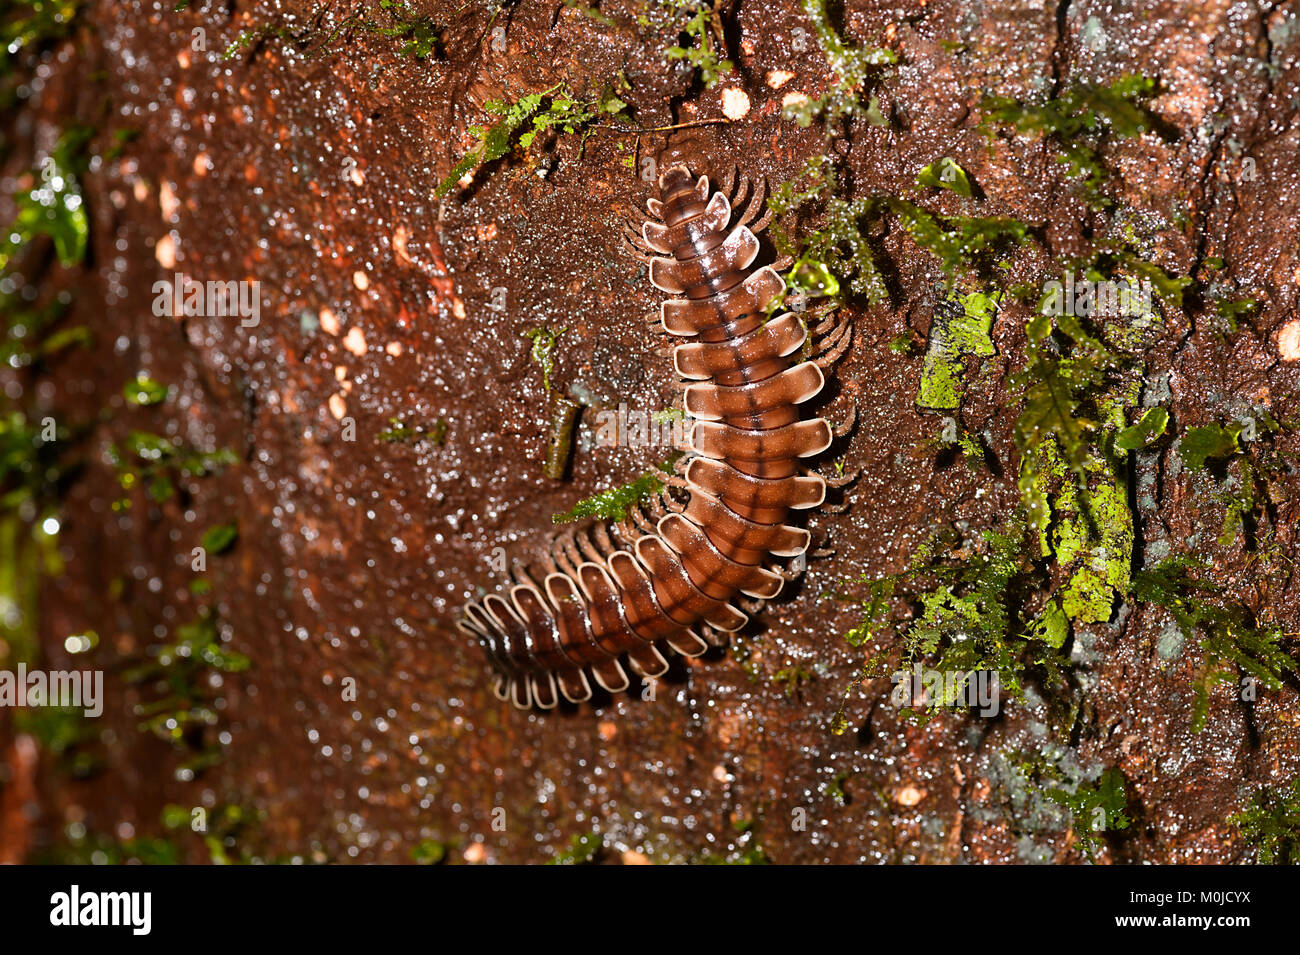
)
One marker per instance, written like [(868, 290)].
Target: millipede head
[(675, 178)]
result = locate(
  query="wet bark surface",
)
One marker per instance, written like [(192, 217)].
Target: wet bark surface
[(364, 725)]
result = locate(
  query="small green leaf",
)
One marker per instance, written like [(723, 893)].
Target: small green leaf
[(874, 115), (428, 852), (945, 174), (1051, 627), (1206, 444), (144, 391), (1140, 435), (217, 540)]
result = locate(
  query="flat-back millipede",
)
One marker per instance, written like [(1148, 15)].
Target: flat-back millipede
[(669, 579)]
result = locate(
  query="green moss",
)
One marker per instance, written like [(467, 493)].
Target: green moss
[(1252, 466), (590, 12), (65, 734), (1232, 642), (961, 326), (33, 471), (940, 380), (1078, 121), (428, 852), (703, 29), (249, 38), (792, 679), (970, 614), (227, 830), (963, 244), (38, 454), (156, 463), (617, 503), (901, 345), (1093, 535), (420, 36), (543, 351), (399, 432), (1231, 310), (31, 24), (1094, 808), (746, 851), (1271, 823), (970, 445), (179, 677), (143, 391), (873, 606), (1066, 399), (524, 120), (102, 849), (838, 257), (853, 69), (54, 207)]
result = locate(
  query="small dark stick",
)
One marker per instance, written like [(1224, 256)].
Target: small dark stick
[(559, 438)]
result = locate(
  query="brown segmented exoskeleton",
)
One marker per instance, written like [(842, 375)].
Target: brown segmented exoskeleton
[(672, 585)]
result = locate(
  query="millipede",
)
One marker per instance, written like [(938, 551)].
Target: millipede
[(680, 573)]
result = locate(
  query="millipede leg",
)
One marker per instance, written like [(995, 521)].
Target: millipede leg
[(826, 320), (600, 534), (643, 257), (729, 183), (736, 192), (755, 204), (713, 636), (837, 344), (845, 426), (667, 504), (642, 522), (842, 480), (785, 573), (625, 534), (836, 480), (588, 549), (572, 558)]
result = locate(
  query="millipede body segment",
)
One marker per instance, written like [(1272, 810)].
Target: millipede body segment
[(672, 586)]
